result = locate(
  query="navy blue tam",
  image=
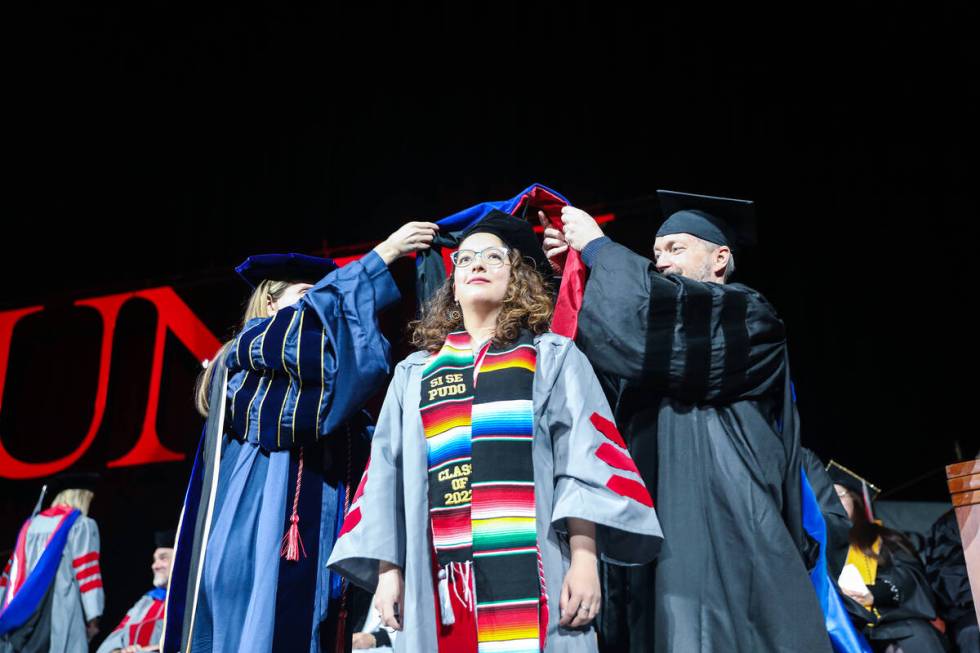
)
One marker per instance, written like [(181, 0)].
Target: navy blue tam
[(718, 220), (284, 267)]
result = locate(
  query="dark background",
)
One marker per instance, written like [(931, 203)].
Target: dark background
[(158, 144)]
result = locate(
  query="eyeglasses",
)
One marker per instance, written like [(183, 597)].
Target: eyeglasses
[(492, 257)]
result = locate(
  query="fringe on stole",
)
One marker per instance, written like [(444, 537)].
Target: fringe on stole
[(453, 574)]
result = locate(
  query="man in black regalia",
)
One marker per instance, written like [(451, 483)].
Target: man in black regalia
[(698, 372)]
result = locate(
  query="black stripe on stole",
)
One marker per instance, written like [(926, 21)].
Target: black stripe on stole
[(296, 592), (511, 461), (697, 313), (735, 329), (514, 576), (503, 385)]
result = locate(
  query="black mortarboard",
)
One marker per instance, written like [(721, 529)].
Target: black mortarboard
[(719, 220), (516, 233), (72, 481), (284, 267), (165, 539), (843, 476)]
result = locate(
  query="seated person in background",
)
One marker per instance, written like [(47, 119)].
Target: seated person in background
[(142, 626), (883, 583)]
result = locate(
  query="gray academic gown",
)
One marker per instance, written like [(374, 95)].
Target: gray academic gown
[(698, 374), (569, 481), (76, 592), (142, 625)]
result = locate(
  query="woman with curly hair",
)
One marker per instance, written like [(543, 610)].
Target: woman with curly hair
[(497, 477)]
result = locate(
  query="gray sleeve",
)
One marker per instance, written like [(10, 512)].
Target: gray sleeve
[(83, 542), (374, 528), (595, 477), (115, 641)]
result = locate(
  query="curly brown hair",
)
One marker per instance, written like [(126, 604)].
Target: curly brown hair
[(527, 305)]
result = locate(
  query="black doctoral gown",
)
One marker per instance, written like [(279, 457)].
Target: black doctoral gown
[(698, 375), (904, 606)]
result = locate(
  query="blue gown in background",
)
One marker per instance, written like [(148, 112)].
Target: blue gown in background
[(296, 385)]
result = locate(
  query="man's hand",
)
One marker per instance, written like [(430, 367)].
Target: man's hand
[(92, 629), (410, 237), (390, 595), (579, 228), (555, 245)]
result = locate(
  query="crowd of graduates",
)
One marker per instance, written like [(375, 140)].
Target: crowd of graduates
[(589, 450)]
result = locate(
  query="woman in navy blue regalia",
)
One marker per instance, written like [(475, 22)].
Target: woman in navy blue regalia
[(283, 401)]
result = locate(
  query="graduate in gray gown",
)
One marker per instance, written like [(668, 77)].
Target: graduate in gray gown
[(698, 370), (497, 477), (51, 594)]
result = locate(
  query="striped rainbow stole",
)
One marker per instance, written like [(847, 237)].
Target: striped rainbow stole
[(479, 422)]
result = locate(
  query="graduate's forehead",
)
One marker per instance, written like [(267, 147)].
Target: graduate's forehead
[(666, 242), (481, 240)]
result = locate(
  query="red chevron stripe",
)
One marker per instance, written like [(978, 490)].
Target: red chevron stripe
[(360, 486), (351, 521), (615, 458), (85, 559), (88, 571), (627, 487), (607, 428)]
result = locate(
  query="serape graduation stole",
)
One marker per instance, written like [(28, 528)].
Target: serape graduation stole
[(478, 417)]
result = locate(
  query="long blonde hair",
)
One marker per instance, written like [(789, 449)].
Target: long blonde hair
[(74, 498), (527, 305), (266, 292)]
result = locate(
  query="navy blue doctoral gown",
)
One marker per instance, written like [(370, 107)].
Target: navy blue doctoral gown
[(296, 383)]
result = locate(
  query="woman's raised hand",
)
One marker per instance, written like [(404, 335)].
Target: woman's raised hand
[(410, 237)]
